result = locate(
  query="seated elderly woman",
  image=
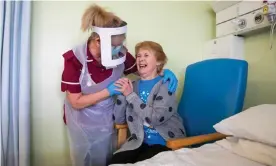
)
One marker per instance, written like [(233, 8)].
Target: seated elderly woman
[(148, 107)]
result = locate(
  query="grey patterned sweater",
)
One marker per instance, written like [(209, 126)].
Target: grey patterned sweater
[(160, 112)]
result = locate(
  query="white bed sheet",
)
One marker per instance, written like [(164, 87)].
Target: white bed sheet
[(206, 155)]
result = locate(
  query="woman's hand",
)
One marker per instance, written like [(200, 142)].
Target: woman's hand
[(125, 86), (169, 76), (112, 89)]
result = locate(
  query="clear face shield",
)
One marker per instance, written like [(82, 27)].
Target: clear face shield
[(113, 45)]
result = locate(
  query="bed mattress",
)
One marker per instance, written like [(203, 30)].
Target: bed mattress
[(206, 155)]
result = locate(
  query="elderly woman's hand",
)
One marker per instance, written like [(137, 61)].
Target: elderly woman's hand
[(125, 86)]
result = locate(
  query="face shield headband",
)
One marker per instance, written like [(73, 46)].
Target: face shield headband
[(112, 42)]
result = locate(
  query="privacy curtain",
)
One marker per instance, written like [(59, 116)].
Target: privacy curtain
[(15, 22)]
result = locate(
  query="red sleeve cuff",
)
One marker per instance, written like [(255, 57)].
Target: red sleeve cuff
[(70, 88)]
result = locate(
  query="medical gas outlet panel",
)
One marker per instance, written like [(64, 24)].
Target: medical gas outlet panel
[(242, 17)]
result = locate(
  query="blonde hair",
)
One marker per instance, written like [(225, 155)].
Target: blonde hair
[(97, 16), (156, 49)]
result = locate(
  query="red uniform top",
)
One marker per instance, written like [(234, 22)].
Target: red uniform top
[(72, 71)]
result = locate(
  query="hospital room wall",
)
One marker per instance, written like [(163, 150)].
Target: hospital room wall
[(261, 86), (181, 27)]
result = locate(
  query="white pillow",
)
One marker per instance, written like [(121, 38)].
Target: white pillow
[(251, 150), (256, 123)]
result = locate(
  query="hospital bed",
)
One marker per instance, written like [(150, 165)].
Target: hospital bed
[(213, 94)]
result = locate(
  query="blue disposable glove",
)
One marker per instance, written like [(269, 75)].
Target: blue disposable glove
[(173, 82), (112, 89)]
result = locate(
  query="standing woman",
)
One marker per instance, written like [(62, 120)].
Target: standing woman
[(89, 87)]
